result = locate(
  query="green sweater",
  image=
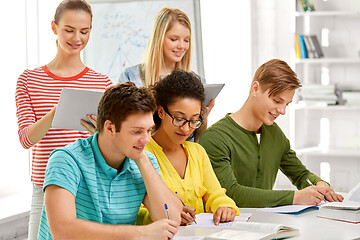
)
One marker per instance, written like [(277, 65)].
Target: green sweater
[(247, 169)]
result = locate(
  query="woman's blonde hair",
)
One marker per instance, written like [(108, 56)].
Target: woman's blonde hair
[(154, 56)]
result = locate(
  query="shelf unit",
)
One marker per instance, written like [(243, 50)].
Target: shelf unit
[(329, 134)]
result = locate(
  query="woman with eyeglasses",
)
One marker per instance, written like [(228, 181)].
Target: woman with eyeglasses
[(185, 166)]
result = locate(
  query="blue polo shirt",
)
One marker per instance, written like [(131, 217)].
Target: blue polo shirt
[(101, 193)]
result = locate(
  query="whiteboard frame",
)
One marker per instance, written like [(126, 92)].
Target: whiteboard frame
[(197, 24)]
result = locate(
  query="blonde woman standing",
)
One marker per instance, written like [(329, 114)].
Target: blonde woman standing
[(169, 48)]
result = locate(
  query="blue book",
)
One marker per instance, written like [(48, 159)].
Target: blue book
[(303, 51)]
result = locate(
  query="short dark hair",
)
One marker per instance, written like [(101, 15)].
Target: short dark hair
[(277, 76), (81, 5), (179, 84), (122, 100)]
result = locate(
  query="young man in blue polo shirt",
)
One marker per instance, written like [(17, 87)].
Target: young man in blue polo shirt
[(95, 186)]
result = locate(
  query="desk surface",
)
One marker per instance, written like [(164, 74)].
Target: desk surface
[(310, 226)]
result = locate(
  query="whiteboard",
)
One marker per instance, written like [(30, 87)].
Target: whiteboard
[(121, 29)]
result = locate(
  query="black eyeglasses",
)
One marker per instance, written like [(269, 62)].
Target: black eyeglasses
[(179, 122)]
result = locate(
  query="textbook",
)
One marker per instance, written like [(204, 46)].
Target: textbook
[(303, 50), (297, 46), (346, 211), (254, 230), (316, 45)]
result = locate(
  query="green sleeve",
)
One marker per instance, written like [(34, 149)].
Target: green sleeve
[(292, 167), (220, 157)]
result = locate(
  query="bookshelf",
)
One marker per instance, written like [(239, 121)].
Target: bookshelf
[(322, 133)]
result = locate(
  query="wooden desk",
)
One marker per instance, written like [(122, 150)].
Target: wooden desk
[(310, 226)]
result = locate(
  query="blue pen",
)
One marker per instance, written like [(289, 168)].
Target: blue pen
[(183, 204), (167, 211), (309, 182)]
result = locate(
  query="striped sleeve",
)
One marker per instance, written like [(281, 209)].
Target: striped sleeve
[(62, 171), (24, 111), (153, 161)]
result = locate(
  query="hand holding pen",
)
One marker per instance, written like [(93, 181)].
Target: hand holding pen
[(187, 214), (311, 195)]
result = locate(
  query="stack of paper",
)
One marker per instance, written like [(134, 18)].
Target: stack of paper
[(352, 98), (317, 93)]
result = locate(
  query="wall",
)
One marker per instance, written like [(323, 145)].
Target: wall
[(226, 35)]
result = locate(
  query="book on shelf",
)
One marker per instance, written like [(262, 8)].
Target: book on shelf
[(308, 46), (311, 46), (310, 49), (254, 230), (303, 51), (307, 5), (297, 46), (316, 44)]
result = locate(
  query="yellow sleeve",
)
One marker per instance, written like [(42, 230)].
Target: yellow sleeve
[(143, 216), (215, 196)]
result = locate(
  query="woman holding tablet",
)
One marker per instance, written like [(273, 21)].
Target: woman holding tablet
[(38, 91), (185, 166), (169, 48)]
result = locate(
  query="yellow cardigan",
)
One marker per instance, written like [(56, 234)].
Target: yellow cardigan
[(199, 185)]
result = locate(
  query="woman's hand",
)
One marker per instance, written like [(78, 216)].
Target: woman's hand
[(209, 107), (205, 114), (88, 127), (187, 215), (224, 214)]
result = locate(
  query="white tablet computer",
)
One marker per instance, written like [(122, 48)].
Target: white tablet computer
[(73, 105), (211, 91)]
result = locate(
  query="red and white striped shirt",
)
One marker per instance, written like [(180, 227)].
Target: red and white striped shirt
[(37, 92)]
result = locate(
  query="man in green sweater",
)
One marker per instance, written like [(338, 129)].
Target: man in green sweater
[(247, 148)]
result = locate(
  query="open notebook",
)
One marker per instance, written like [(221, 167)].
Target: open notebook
[(254, 230)]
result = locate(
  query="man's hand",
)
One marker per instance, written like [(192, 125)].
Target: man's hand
[(311, 195), (163, 229), (330, 195), (224, 214)]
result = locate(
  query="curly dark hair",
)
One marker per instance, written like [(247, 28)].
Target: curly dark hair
[(178, 84), (122, 100)]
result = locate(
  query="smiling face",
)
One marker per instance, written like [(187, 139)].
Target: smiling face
[(186, 108), (270, 107), (134, 134), (176, 43), (73, 31)]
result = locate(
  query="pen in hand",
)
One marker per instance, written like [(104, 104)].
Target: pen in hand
[(184, 205), (167, 211), (311, 184)]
